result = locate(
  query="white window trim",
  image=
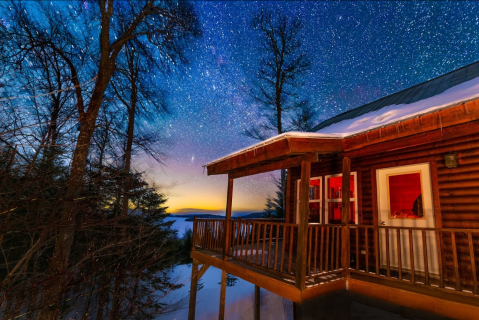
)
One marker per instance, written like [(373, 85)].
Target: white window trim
[(298, 183), (355, 199)]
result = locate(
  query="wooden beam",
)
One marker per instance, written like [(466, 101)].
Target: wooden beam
[(287, 146), (346, 182), (202, 271), (221, 315), (193, 288), (277, 165), (244, 271), (303, 226), (257, 303), (229, 202)]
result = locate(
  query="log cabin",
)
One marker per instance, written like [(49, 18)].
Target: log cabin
[(381, 201)]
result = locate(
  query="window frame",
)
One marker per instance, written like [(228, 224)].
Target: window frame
[(298, 184), (355, 198)]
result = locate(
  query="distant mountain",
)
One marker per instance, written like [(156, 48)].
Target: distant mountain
[(191, 216)]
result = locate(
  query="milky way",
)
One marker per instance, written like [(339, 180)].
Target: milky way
[(360, 51)]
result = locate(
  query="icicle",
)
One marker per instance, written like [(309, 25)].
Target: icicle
[(380, 135), (397, 128), (367, 137), (467, 108), (402, 125)]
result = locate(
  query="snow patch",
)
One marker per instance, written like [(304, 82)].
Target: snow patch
[(463, 92)]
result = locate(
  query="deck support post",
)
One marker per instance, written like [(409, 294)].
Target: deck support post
[(257, 303), (229, 201), (303, 226), (221, 314), (193, 288), (345, 215)]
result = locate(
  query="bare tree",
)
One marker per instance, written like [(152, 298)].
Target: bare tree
[(282, 68)]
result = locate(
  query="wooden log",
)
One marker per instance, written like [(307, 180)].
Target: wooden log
[(193, 288), (221, 315), (303, 226), (346, 182)]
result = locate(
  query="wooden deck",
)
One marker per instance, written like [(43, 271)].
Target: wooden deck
[(264, 253)]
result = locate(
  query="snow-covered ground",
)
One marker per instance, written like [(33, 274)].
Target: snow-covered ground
[(239, 299)]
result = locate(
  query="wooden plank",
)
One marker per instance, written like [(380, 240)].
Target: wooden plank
[(193, 289), (388, 256), (366, 237), (290, 255), (271, 228), (426, 269), (257, 303), (439, 258), (303, 226), (202, 271), (473, 262), (276, 246), (376, 249), (310, 233), (326, 267), (411, 255), (321, 250), (252, 242), (229, 203), (239, 270), (398, 248), (315, 249), (283, 249), (456, 265), (221, 315), (358, 251), (277, 165)]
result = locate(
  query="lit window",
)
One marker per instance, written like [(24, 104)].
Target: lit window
[(333, 196), (314, 200), (405, 196)]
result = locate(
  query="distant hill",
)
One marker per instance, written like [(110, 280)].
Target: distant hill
[(191, 216)]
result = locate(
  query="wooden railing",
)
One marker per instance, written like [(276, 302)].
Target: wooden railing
[(209, 234), (432, 257), (324, 250), (264, 243), (443, 259)]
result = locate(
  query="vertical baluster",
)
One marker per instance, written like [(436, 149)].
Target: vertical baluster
[(358, 251), (338, 237), (276, 246), (376, 248), (326, 267), (315, 249), (271, 229), (333, 239), (285, 230), (265, 227), (366, 236), (456, 265), (388, 258), (473, 263), (398, 238), (290, 256), (426, 267), (258, 237), (310, 234), (252, 242), (243, 228), (321, 250), (439, 258), (411, 255)]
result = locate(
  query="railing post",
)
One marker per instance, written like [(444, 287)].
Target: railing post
[(229, 201), (303, 226), (195, 230), (345, 215)]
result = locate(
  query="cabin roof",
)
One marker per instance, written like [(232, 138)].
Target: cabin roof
[(452, 82)]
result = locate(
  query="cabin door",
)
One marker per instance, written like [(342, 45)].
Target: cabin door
[(405, 200)]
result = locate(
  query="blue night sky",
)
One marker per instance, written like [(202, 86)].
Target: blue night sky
[(360, 51)]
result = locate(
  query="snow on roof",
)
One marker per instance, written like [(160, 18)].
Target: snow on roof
[(292, 134), (463, 92)]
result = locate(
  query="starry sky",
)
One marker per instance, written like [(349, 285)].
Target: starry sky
[(360, 51)]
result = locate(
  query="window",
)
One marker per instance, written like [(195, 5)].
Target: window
[(405, 197), (333, 197), (315, 192)]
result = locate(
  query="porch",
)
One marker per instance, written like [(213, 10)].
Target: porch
[(264, 252)]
